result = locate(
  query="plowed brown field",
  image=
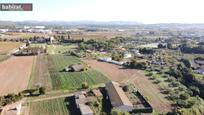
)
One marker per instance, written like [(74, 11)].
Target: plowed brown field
[(14, 74)]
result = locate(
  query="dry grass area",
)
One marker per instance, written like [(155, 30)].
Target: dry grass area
[(6, 47), (12, 35), (99, 35), (15, 74), (40, 74), (141, 82)]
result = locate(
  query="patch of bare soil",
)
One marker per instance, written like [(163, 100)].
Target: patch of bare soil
[(14, 74)]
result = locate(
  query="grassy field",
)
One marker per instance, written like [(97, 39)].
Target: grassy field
[(71, 80), (40, 75), (49, 107), (56, 49)]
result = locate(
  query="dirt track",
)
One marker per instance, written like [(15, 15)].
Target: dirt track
[(14, 74), (145, 86)]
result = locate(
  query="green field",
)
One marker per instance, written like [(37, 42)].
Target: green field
[(49, 107), (71, 80), (56, 49)]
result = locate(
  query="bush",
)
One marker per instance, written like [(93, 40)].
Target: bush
[(181, 103), (195, 90), (96, 104), (181, 88), (126, 88), (184, 96), (191, 102), (42, 90), (175, 84), (170, 79), (118, 112), (149, 74), (173, 96), (189, 92), (157, 81), (85, 85)]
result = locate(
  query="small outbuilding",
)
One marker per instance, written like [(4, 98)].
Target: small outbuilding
[(75, 68), (81, 100)]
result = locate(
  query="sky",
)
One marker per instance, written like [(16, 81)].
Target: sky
[(143, 11)]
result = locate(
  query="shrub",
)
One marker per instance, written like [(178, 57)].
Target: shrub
[(157, 81), (166, 90), (181, 88), (191, 102), (42, 90), (126, 88), (149, 74), (184, 96), (195, 90), (189, 92), (173, 96), (170, 79), (175, 84), (118, 112), (85, 85), (181, 103), (96, 104)]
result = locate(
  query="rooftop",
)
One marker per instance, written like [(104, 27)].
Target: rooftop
[(117, 95)]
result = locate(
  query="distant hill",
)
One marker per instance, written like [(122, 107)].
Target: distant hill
[(11, 24), (65, 23)]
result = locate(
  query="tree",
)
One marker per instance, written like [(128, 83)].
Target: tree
[(83, 46), (118, 112), (186, 62), (117, 56), (182, 103), (169, 46), (85, 85), (126, 88), (175, 73), (184, 96), (195, 90), (137, 65), (42, 90), (161, 46)]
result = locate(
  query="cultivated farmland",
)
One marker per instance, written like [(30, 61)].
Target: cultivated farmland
[(49, 107), (71, 80), (56, 49), (40, 75), (15, 74)]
